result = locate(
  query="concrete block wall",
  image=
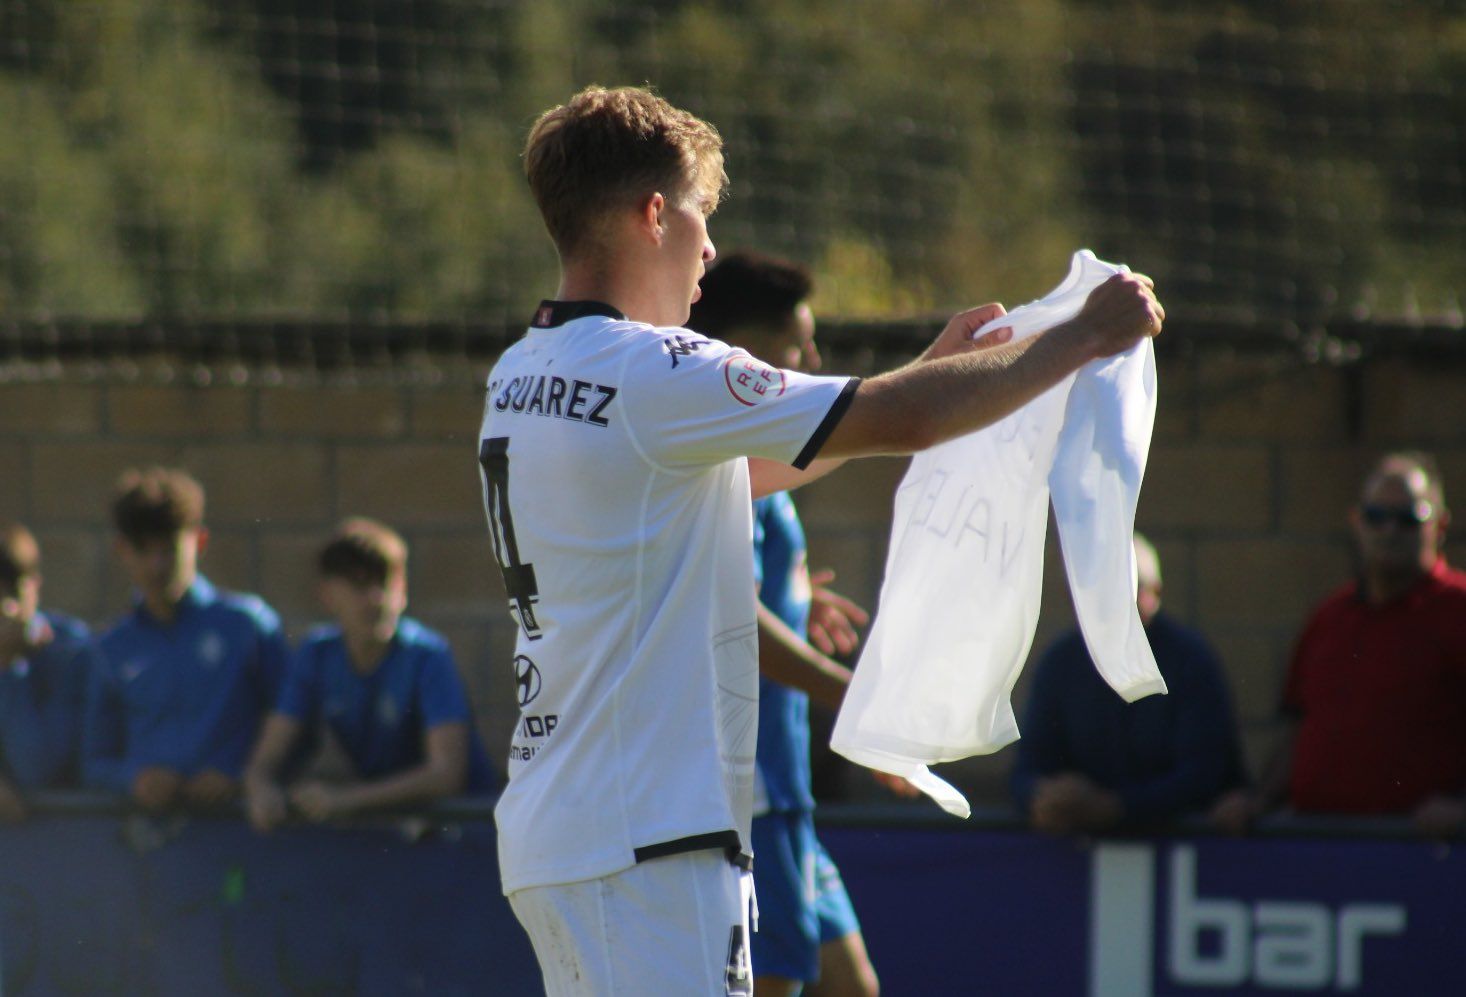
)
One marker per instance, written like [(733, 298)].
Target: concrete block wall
[(1255, 461)]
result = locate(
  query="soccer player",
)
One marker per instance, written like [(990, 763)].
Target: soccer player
[(45, 661), (613, 454), (188, 674), (383, 684)]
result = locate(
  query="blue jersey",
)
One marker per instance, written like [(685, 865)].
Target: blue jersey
[(783, 713), (381, 718), (187, 695), (42, 702)]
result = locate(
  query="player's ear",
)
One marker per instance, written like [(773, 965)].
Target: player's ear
[(649, 216)]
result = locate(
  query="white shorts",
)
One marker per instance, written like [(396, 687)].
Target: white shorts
[(673, 925)]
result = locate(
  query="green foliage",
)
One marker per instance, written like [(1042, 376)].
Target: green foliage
[(258, 158)]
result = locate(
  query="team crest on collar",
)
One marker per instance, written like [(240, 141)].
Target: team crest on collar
[(750, 380)]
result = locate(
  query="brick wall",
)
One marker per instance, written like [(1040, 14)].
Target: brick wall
[(1255, 460)]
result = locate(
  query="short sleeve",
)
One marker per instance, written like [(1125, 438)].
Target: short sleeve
[(692, 400)]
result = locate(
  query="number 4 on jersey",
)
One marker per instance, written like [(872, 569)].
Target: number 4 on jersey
[(519, 579)]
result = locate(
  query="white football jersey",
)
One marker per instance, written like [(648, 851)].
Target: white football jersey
[(618, 498)]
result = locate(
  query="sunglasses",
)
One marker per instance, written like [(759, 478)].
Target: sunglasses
[(1406, 518)]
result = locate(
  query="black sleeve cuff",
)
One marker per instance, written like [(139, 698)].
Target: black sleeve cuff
[(827, 424)]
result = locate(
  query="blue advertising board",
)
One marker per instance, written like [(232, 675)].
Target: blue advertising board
[(1007, 912), (100, 903)]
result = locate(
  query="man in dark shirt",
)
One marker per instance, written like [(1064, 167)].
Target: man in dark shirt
[(1089, 761)]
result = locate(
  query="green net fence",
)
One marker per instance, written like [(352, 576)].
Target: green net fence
[(1274, 165)]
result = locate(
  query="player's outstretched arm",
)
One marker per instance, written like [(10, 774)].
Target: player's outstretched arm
[(923, 404), (956, 339)]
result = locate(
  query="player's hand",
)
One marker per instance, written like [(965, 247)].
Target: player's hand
[(1119, 313), (956, 337), (210, 790), (155, 788), (1440, 816), (317, 801), (1235, 811), (895, 784), (265, 805), (832, 617)]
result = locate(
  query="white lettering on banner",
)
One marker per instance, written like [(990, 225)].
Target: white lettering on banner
[(1291, 943), (1121, 920), (1270, 944)]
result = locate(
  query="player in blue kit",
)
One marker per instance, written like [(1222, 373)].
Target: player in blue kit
[(45, 661), (808, 934), (189, 673), (384, 685)]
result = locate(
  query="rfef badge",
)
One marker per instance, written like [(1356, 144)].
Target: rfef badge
[(751, 380)]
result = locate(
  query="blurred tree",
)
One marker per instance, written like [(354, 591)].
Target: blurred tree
[(263, 158)]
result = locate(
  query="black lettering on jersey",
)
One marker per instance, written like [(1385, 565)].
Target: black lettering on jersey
[(682, 346), (607, 394), (576, 409), (537, 403), (522, 398), (502, 402), (557, 395), (738, 974), (519, 577), (541, 726)]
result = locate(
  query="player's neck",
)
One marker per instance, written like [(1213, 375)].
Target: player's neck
[(365, 652), (163, 604), (630, 292)]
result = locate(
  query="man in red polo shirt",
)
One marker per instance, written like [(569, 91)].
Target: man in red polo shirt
[(1376, 695)]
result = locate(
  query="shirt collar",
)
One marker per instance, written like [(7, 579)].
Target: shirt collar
[(554, 313), (200, 594), (1438, 571)]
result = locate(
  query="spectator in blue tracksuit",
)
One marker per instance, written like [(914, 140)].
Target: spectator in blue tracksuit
[(383, 685), (45, 661), (1089, 761), (190, 672)]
